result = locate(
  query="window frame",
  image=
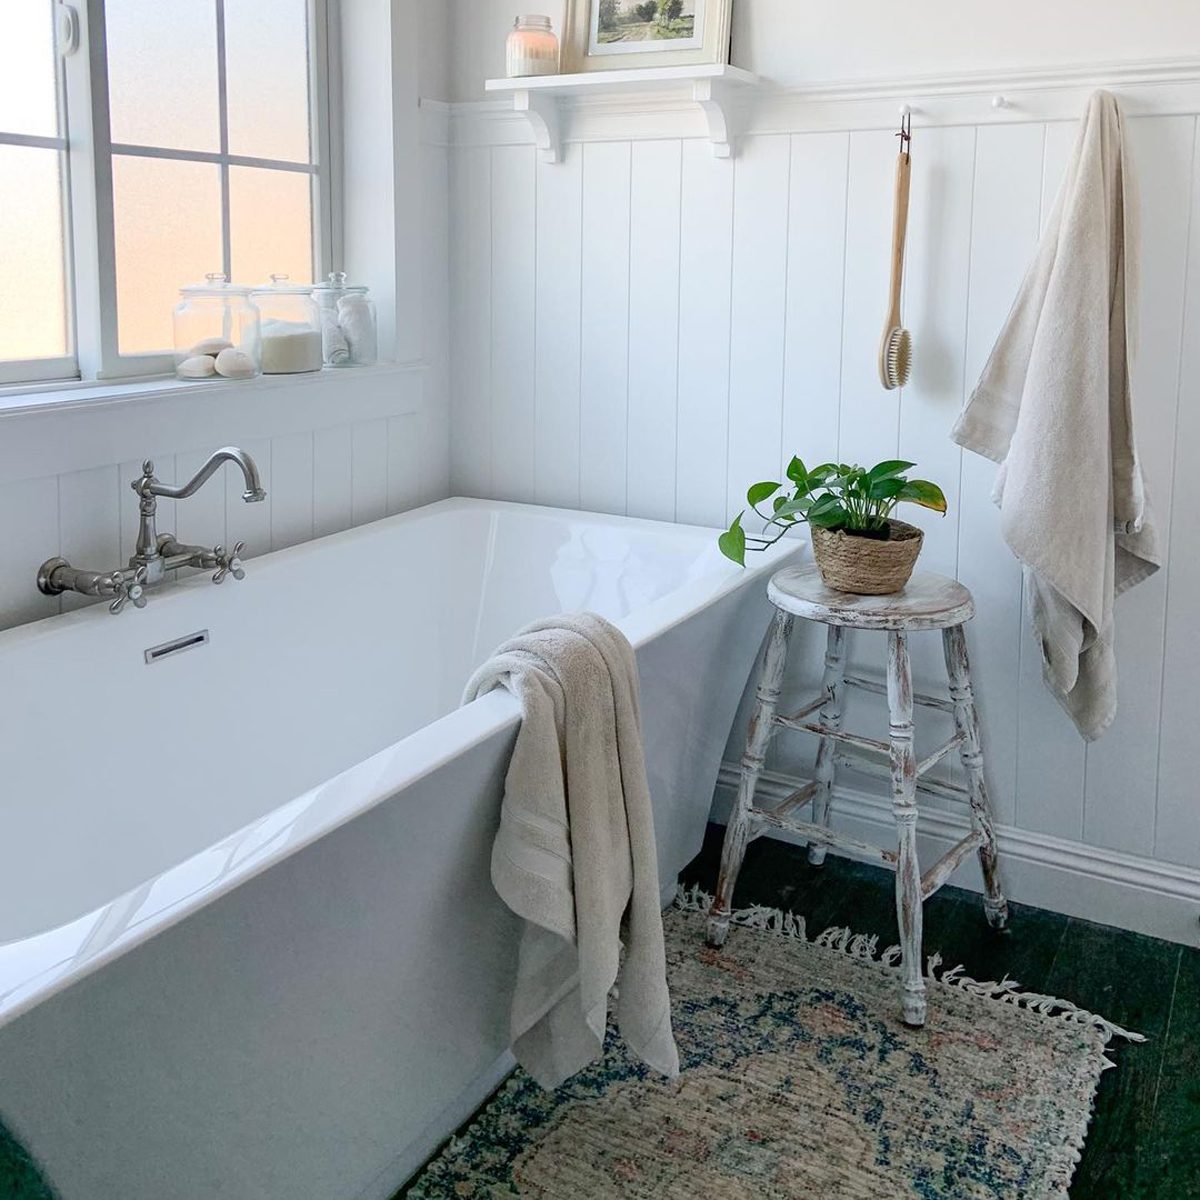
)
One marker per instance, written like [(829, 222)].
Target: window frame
[(88, 205)]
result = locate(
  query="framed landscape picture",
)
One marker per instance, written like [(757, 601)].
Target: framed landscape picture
[(610, 35)]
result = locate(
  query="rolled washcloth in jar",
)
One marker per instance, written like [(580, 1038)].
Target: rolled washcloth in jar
[(358, 324), (333, 339)]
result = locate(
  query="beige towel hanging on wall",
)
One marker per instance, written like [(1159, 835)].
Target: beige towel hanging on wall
[(1053, 407)]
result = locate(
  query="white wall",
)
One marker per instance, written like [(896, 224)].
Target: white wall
[(644, 329), (794, 43)]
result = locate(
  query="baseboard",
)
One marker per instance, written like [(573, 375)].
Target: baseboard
[(1125, 890)]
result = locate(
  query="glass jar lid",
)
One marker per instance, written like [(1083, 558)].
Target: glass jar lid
[(533, 21), (280, 286), (336, 282), (215, 285)]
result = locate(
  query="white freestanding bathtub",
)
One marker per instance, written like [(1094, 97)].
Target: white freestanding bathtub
[(249, 948)]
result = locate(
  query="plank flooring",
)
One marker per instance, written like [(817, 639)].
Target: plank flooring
[(1144, 1141)]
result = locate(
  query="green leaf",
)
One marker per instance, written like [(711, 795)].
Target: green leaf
[(796, 472), (760, 491), (801, 504), (821, 473), (732, 543), (885, 489), (885, 470), (924, 493), (833, 516)]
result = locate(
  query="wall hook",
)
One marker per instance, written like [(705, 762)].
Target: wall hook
[(905, 134), (999, 102)]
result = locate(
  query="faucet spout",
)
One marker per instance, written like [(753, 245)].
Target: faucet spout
[(234, 454)]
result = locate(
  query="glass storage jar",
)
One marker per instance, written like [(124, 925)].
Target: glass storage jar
[(291, 327), (217, 331), (348, 331), (532, 48)]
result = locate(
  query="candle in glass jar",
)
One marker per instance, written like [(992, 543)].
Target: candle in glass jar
[(532, 48)]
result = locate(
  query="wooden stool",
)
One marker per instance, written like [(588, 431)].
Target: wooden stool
[(928, 602)]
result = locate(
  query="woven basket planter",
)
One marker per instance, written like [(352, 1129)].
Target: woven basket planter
[(867, 566)]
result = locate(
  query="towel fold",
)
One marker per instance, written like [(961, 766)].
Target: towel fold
[(1053, 407), (575, 853)]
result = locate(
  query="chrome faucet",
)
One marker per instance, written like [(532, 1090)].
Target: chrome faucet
[(157, 553)]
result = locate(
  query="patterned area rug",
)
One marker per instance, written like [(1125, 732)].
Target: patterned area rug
[(798, 1080)]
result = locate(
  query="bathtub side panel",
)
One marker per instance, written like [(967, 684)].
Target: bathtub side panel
[(692, 678), (297, 1037)]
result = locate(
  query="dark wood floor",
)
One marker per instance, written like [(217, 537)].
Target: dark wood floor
[(1144, 1142)]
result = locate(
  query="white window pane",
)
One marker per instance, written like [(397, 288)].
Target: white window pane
[(28, 88), (266, 57), (167, 218), (33, 300), (270, 224), (162, 73)]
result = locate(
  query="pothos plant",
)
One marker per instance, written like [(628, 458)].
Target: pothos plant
[(831, 496)]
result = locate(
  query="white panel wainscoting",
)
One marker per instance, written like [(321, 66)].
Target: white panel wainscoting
[(334, 450), (694, 321)]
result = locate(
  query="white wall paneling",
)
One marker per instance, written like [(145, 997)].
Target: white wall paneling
[(696, 321), (334, 450)]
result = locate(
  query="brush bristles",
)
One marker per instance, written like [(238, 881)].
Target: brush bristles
[(899, 357)]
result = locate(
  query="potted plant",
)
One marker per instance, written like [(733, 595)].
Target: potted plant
[(859, 547)]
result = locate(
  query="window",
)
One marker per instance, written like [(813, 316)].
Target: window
[(195, 134)]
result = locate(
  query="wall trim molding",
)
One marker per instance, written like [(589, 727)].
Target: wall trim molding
[(1146, 88), (1126, 890)]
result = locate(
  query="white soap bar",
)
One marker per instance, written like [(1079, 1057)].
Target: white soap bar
[(235, 364), (212, 346), (288, 349), (199, 366)]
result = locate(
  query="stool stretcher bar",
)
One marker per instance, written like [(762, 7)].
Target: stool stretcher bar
[(931, 787), (927, 764), (879, 688), (949, 863), (838, 735), (822, 835)]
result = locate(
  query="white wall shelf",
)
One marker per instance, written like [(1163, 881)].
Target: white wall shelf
[(712, 87)]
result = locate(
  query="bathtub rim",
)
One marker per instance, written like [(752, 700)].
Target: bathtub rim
[(352, 792)]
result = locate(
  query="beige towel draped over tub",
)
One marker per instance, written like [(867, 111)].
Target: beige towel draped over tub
[(1054, 408), (575, 853)]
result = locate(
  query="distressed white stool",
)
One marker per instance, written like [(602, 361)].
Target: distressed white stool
[(928, 602)]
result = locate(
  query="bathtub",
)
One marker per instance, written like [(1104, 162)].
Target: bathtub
[(248, 943)]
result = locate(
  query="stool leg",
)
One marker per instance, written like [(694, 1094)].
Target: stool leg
[(831, 719), (909, 914), (966, 718), (758, 736)]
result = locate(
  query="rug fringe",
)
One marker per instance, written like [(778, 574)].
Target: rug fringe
[(863, 946)]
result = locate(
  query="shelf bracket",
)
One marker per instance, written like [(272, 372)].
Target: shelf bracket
[(715, 103), (541, 115)]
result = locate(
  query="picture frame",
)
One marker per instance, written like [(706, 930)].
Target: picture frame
[(614, 35)]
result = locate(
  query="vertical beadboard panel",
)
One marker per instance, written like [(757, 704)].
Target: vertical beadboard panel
[(1121, 767), (757, 316), (815, 262), (250, 523), (604, 392), (333, 480), (471, 374), (292, 489), (512, 305), (654, 247), (1177, 829), (435, 310), (29, 530), (559, 288), (199, 520), (1004, 231), (705, 269), (869, 413), (90, 520), (369, 486), (1051, 761), (403, 464)]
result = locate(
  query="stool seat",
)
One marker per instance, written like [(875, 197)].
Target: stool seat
[(927, 601)]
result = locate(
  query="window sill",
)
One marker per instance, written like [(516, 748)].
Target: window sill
[(64, 395)]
